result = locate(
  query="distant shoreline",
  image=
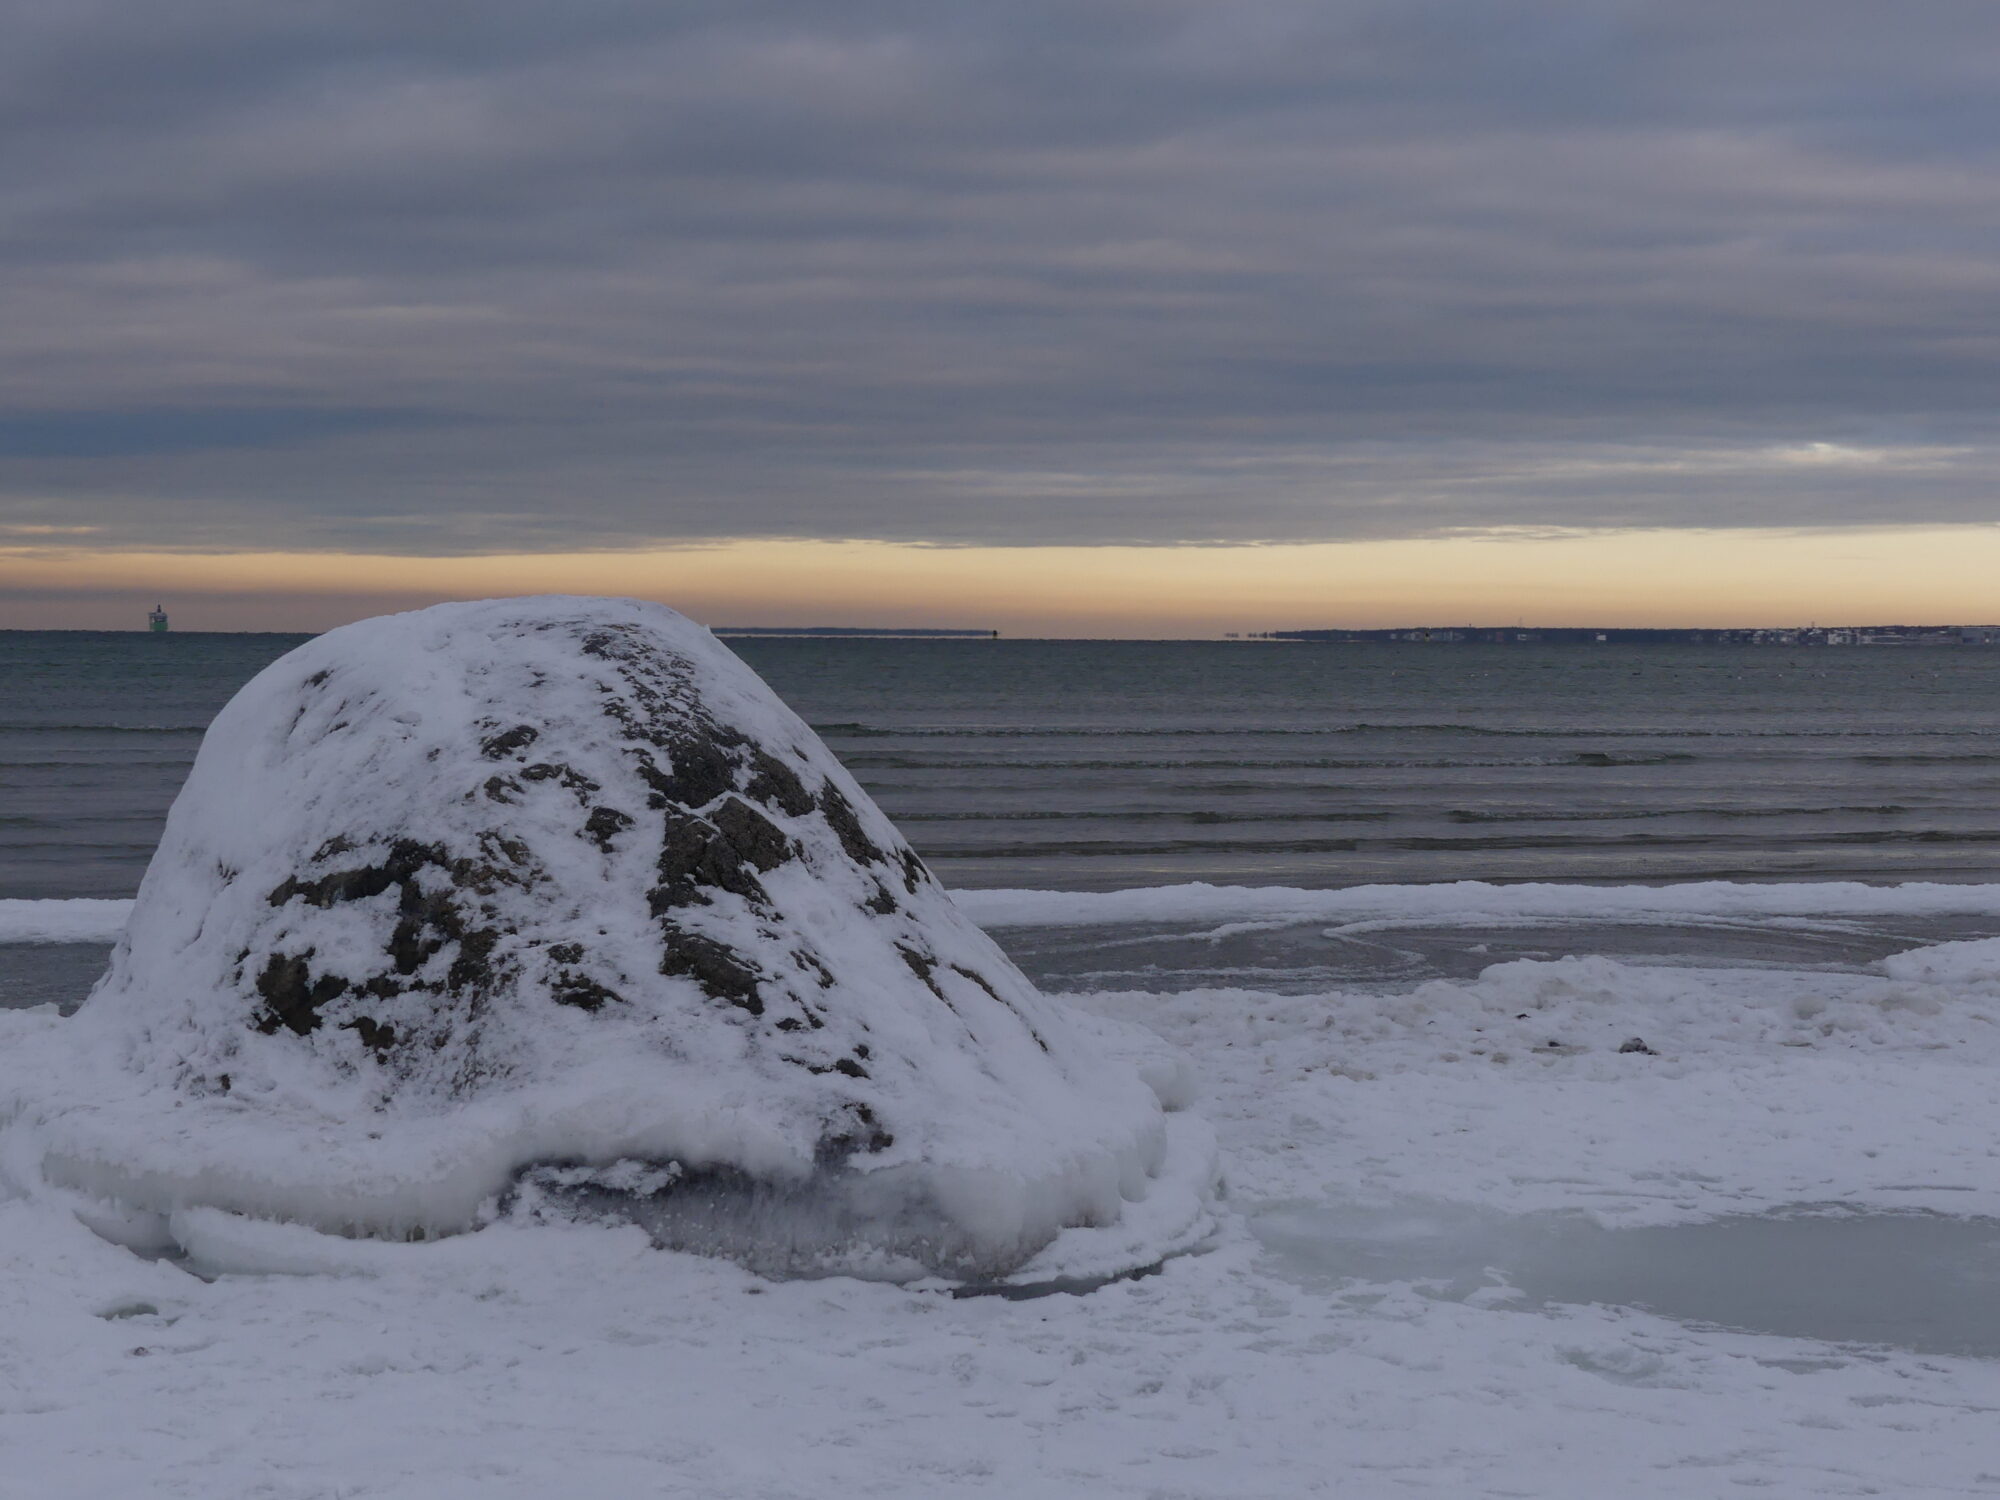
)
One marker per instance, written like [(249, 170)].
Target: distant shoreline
[(1808, 635), (1466, 635), (849, 631)]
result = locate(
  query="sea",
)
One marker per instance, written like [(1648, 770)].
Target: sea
[(1174, 766)]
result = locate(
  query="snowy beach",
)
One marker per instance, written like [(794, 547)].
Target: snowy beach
[(1538, 1189), (1345, 1334)]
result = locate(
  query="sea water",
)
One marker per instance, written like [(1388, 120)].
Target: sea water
[(1096, 765)]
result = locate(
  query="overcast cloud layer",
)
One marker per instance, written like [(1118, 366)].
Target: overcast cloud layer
[(440, 276)]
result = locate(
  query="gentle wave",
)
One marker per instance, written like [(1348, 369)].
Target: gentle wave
[(1149, 815), (6, 729), (1595, 759), (1626, 814), (66, 846), (149, 821), (86, 769), (1202, 818), (1916, 759), (1590, 758), (1579, 843), (1114, 731), (1606, 758)]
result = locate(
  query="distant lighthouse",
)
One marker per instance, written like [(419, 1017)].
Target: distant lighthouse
[(157, 620)]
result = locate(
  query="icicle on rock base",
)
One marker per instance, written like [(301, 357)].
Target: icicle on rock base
[(550, 903)]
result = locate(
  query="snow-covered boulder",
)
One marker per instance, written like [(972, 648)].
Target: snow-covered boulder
[(549, 905)]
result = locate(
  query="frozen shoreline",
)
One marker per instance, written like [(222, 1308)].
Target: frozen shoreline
[(1467, 902), (74, 921), (521, 1363), (1471, 902)]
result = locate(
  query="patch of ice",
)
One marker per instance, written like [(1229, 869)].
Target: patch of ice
[(1464, 903), (1357, 908), (1470, 903), (68, 921), (1913, 1280)]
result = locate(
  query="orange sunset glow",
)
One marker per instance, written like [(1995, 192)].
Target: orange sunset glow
[(1677, 577)]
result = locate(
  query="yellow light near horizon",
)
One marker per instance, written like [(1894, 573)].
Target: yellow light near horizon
[(1605, 578)]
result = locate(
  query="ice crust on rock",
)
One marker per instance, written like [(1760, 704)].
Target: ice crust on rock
[(550, 906)]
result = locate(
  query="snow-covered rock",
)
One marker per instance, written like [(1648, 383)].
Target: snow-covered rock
[(549, 905)]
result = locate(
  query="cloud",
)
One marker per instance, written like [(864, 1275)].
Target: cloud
[(157, 431), (485, 277)]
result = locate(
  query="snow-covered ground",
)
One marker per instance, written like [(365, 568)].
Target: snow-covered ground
[(562, 1360)]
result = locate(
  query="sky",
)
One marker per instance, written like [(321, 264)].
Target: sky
[(1100, 317)]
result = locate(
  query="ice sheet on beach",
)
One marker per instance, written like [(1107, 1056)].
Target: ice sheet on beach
[(78, 921), (1468, 902)]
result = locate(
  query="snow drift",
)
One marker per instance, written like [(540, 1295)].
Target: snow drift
[(549, 906)]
